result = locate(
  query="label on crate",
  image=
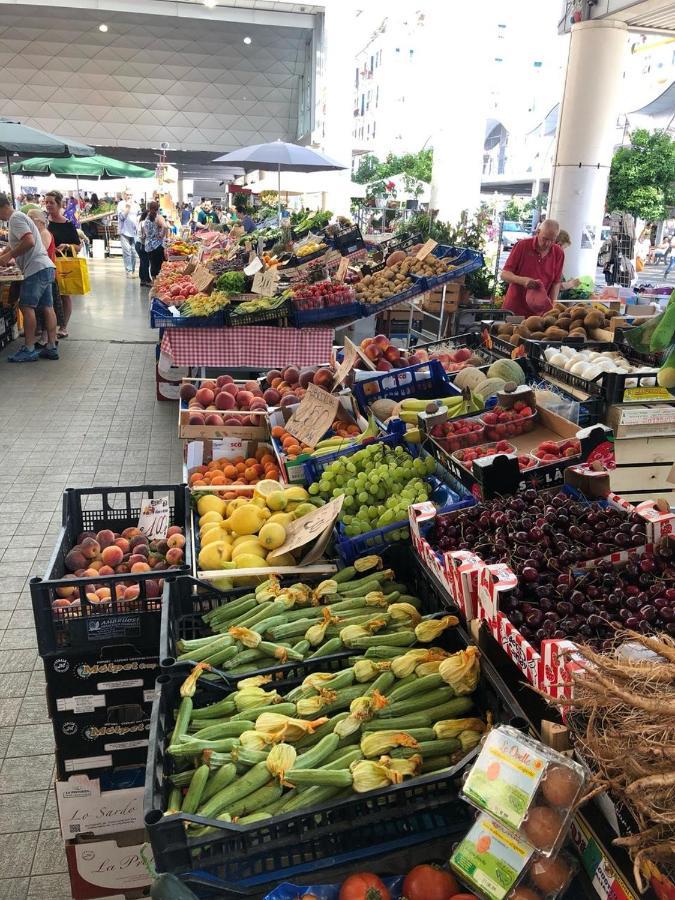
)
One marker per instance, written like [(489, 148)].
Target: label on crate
[(265, 283), (119, 685), (255, 265), (505, 778), (491, 858), (642, 394), (607, 880), (313, 416), (347, 364), (125, 745), (154, 518), (106, 628), (87, 762), (426, 249), (85, 703)]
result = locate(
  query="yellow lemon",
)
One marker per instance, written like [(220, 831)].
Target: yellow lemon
[(222, 584), (245, 539), (235, 504), (266, 487), (283, 559), (277, 501), (245, 519), (211, 503), (265, 514), (250, 561), (302, 509), (296, 494), (282, 518), (212, 556), (259, 502), (272, 535), (212, 535), (251, 548), (211, 516)]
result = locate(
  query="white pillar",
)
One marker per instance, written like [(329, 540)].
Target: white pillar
[(456, 30), (339, 45), (586, 134)]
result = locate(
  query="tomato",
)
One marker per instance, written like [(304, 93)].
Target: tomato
[(429, 883), (363, 886), (464, 897)]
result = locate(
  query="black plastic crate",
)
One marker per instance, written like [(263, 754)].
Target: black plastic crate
[(279, 314), (94, 624), (364, 825)]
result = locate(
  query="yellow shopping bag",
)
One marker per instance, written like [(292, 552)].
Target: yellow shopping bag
[(72, 275)]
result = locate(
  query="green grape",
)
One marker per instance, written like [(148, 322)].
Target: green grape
[(362, 498), (348, 502), (313, 489), (337, 492)]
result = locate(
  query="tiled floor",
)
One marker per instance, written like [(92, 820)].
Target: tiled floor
[(89, 419)]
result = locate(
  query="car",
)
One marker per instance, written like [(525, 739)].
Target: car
[(511, 233)]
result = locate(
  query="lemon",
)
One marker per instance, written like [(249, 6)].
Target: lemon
[(211, 503), (283, 559), (259, 502), (252, 548), (296, 494), (266, 487), (211, 516), (222, 584), (265, 513), (212, 556), (250, 561), (215, 534), (282, 518), (244, 539), (235, 504), (245, 519), (277, 501), (302, 509), (272, 535)]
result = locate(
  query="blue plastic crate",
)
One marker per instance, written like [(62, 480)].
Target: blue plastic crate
[(313, 467), (463, 259), (300, 317), (160, 317), (371, 309), (423, 381)]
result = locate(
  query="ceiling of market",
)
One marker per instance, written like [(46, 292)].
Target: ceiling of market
[(169, 71)]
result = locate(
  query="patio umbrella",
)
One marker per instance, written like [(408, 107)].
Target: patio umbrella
[(80, 167), (18, 138), (280, 157)]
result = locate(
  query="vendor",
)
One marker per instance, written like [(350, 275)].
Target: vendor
[(533, 263)]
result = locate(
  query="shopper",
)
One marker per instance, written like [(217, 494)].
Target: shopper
[(25, 246), (39, 217), (128, 213), (533, 264), (185, 215), (67, 244), (670, 253), (154, 233), (207, 214), (564, 241), (71, 210)]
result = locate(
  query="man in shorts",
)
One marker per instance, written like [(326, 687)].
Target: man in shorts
[(26, 248)]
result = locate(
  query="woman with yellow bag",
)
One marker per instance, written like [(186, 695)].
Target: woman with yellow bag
[(67, 247)]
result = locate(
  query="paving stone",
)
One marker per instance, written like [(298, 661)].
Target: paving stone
[(16, 776), (16, 854), (17, 660), (31, 740), (18, 639), (22, 812), (33, 710), (49, 887), (21, 618), (13, 684), (9, 710), (14, 889), (50, 858), (37, 682)]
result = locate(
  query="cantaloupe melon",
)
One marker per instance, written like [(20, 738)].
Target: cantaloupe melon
[(507, 370), (470, 377)]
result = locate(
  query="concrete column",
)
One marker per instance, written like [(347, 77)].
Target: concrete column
[(456, 30), (340, 36), (586, 132)]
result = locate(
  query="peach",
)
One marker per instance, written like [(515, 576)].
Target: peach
[(79, 573), (196, 419), (382, 340), (90, 548), (276, 382), (222, 380), (105, 538), (208, 384), (257, 392), (176, 540), (131, 532), (172, 529), (231, 421), (122, 569), (187, 391), (141, 550), (132, 592), (103, 593), (58, 604), (271, 397), (75, 559), (258, 403), (161, 566), (137, 540), (323, 378), (231, 388), (95, 564), (251, 385), (244, 399), (136, 558), (106, 570), (225, 400), (93, 597), (272, 375), (140, 567), (162, 545), (291, 375), (213, 419), (86, 534), (306, 376), (112, 555), (174, 556), (152, 588), (90, 573), (153, 559), (66, 592), (119, 591), (288, 400), (123, 544)]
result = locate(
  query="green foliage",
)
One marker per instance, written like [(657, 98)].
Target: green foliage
[(415, 165), (520, 210), (642, 176), (513, 211)]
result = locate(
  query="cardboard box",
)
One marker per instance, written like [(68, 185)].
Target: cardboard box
[(643, 420), (455, 294), (109, 867), (86, 808)]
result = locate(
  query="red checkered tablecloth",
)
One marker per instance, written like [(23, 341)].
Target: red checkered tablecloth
[(253, 347)]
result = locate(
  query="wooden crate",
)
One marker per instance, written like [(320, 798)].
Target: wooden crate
[(645, 468)]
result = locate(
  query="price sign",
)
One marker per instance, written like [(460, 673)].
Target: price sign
[(266, 282), (174, 312), (313, 526), (254, 265), (226, 448), (342, 269), (313, 416), (203, 279), (643, 394), (347, 364), (154, 518), (248, 246), (189, 268), (426, 249)]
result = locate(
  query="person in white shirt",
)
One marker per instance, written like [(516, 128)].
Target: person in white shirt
[(128, 212)]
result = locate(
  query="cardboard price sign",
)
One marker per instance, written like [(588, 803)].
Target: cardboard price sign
[(347, 364), (342, 269), (426, 249), (265, 283), (202, 278), (254, 265), (313, 416), (313, 526), (154, 518)]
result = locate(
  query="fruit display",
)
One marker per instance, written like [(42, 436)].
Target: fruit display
[(309, 247), (453, 359), (259, 305), (590, 364), (219, 262), (292, 382), (453, 436), (107, 552), (201, 304), (466, 456), (388, 282), (262, 465), (561, 323), (181, 248), (505, 422), (174, 288), (554, 451), (464, 404), (223, 394), (345, 434), (322, 294), (231, 282)]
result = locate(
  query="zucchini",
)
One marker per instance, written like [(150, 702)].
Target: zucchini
[(182, 719), (256, 801), (224, 776), (255, 778), (193, 797), (416, 686)]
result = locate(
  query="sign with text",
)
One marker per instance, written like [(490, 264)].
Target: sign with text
[(154, 518), (265, 283), (349, 358), (203, 279), (313, 526), (226, 448), (254, 265), (313, 416), (342, 269), (426, 249)]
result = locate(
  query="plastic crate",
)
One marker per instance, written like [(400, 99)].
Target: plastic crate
[(160, 317), (355, 827), (259, 318), (313, 467), (300, 317), (464, 260), (371, 309), (348, 240), (94, 624), (423, 381)]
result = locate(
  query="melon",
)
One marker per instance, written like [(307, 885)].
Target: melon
[(470, 377), (507, 370), (489, 387), (396, 257)]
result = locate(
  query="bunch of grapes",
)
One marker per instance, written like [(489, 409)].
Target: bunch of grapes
[(379, 483)]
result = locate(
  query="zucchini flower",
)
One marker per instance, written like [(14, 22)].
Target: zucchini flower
[(352, 633), (400, 768), (281, 758), (317, 632), (245, 636), (428, 668), (255, 681), (326, 588), (407, 663), (376, 598), (462, 671), (316, 680), (367, 670), (311, 706), (368, 775), (252, 740), (366, 563), (452, 728), (469, 740), (274, 727), (404, 614), (255, 696), (429, 629), (361, 710), (268, 590), (189, 686), (375, 743)]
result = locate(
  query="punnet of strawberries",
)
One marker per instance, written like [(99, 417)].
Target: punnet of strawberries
[(322, 294), (502, 422)]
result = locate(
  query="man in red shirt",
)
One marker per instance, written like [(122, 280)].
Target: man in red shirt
[(534, 263)]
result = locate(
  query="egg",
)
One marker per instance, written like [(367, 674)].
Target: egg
[(550, 875), (523, 893), (560, 786), (542, 827)]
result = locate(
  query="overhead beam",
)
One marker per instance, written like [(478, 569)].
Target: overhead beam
[(183, 10)]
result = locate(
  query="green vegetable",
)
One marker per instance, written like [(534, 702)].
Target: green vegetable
[(231, 282)]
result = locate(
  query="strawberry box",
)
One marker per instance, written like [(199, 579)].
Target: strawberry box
[(456, 434)]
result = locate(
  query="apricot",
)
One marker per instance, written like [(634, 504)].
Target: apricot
[(112, 555)]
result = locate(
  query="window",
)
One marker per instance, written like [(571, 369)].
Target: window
[(356, 79), (377, 95), (537, 64)]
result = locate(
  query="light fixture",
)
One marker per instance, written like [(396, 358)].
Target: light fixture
[(247, 40), (103, 27)]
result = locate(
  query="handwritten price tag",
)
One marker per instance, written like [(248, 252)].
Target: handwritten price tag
[(313, 416), (426, 249), (226, 447), (347, 364), (265, 283), (254, 265), (154, 518), (203, 279), (310, 527), (342, 269)]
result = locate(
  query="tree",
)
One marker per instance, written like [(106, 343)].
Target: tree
[(642, 176), (414, 165), (367, 170)]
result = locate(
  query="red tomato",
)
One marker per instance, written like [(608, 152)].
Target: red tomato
[(364, 886), (429, 883)]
